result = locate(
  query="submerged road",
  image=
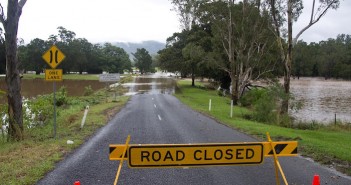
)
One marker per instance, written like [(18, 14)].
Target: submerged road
[(161, 118)]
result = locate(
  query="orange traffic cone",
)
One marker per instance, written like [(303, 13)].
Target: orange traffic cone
[(316, 180), (77, 183)]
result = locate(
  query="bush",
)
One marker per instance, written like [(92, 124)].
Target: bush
[(88, 91), (266, 104), (61, 96), (250, 98), (41, 111)]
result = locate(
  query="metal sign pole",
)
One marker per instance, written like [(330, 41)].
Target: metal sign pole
[(54, 87)]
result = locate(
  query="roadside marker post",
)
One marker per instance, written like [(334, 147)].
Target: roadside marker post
[(200, 155)]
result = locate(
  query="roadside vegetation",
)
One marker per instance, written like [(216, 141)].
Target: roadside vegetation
[(27, 161), (329, 145)]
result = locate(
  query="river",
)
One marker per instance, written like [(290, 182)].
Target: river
[(322, 100)]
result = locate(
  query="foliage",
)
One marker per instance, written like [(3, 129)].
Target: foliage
[(330, 59), (88, 91), (61, 96), (81, 55), (265, 102), (39, 111), (142, 60)]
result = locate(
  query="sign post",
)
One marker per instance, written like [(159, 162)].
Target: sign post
[(53, 57)]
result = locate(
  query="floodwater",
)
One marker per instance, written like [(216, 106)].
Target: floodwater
[(157, 83), (34, 87), (322, 100)]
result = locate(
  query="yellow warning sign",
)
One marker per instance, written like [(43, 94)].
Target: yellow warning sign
[(53, 56), (195, 155), (53, 74), (282, 148)]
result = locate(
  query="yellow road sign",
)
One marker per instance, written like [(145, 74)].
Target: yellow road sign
[(53, 56), (53, 74), (282, 148), (179, 155)]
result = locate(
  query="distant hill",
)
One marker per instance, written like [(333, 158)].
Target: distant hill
[(151, 46)]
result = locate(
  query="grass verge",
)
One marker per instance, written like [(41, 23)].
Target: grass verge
[(28, 161), (328, 146)]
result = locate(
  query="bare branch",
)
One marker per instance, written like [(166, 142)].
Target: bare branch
[(313, 21)]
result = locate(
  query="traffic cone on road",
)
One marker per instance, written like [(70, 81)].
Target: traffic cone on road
[(316, 180), (77, 183)]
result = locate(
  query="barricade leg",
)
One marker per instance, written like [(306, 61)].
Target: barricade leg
[(276, 163), (121, 161)]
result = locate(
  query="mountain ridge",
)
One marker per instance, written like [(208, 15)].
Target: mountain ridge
[(131, 47)]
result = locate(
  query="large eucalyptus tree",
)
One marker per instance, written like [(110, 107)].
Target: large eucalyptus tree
[(13, 79), (283, 14)]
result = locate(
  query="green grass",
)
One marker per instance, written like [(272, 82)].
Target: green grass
[(28, 161), (324, 145)]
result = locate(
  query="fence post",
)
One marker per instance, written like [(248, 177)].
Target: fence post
[(209, 106), (231, 109)]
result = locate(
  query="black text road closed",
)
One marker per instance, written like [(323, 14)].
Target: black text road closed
[(195, 155)]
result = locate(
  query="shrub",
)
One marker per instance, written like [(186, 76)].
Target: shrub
[(61, 96), (88, 91)]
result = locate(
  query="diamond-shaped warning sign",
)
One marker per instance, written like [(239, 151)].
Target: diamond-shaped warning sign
[(53, 56)]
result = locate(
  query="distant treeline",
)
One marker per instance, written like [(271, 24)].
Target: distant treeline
[(81, 55), (329, 59)]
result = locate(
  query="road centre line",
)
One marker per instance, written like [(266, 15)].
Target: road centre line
[(159, 117), (155, 106)]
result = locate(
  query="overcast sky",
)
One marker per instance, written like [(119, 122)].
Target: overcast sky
[(140, 20)]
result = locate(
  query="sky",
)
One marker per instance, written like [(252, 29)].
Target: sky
[(141, 20)]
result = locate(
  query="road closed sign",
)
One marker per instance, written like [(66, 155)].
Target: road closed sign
[(195, 155)]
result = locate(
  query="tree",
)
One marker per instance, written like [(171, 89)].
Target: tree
[(13, 80), (31, 55), (283, 11), (171, 58), (142, 60), (114, 59), (241, 30)]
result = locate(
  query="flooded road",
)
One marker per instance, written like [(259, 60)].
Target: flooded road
[(322, 99), (151, 84)]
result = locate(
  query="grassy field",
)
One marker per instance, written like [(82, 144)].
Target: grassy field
[(28, 161), (327, 145)]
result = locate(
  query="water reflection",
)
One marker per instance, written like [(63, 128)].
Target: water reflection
[(322, 99), (152, 84)]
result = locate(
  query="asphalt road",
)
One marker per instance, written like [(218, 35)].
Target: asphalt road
[(161, 118)]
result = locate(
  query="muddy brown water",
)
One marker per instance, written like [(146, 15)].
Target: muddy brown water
[(152, 84), (322, 99), (34, 87)]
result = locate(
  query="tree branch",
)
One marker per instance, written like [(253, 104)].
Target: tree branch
[(22, 3), (313, 21)]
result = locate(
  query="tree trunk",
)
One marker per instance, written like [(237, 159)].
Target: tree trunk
[(287, 67), (192, 77), (13, 79)]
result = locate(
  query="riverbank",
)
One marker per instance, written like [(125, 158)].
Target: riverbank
[(330, 147), (27, 161)]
